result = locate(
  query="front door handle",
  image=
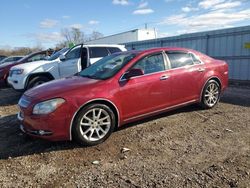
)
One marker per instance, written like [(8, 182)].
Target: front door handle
[(164, 77), (201, 69)]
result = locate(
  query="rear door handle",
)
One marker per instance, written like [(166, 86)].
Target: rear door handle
[(164, 77), (201, 69)]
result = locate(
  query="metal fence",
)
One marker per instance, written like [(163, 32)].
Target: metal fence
[(231, 45)]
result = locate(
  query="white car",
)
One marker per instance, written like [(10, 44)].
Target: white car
[(28, 75)]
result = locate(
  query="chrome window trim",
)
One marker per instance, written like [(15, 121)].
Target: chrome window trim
[(97, 99), (122, 80)]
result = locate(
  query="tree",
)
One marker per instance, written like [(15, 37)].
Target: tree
[(74, 35), (96, 35)]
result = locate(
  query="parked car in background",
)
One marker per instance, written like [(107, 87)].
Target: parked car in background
[(5, 68), (29, 75), (2, 57), (10, 59), (119, 89), (20, 74)]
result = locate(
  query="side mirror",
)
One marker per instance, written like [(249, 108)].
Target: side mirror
[(62, 57), (132, 73)]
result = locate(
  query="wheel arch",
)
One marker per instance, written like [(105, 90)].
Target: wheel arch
[(217, 79), (96, 101), (31, 76)]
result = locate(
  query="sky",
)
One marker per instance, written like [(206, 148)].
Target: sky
[(30, 23)]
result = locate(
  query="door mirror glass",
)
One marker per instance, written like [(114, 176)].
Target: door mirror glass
[(62, 57), (133, 73)]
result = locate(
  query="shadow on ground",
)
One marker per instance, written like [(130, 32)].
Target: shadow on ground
[(9, 97), (15, 144), (237, 97)]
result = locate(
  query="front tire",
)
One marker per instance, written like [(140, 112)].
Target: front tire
[(210, 95), (37, 81), (93, 124)]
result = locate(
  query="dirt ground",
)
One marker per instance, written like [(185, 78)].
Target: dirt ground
[(188, 147)]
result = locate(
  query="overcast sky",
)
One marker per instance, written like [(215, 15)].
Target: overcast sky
[(32, 22)]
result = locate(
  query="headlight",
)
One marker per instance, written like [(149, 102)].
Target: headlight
[(17, 71), (47, 107)]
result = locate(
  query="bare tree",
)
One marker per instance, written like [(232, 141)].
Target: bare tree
[(74, 35), (96, 35)]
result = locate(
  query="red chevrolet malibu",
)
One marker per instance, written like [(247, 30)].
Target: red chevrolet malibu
[(119, 89)]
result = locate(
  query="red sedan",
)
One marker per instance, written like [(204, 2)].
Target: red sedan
[(118, 89)]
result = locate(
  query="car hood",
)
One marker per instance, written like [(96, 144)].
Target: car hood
[(61, 87), (33, 64)]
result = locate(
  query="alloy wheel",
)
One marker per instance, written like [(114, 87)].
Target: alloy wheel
[(95, 124), (38, 83), (212, 94)]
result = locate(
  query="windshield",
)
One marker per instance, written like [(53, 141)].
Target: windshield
[(25, 57), (7, 61), (108, 66), (3, 60), (57, 54)]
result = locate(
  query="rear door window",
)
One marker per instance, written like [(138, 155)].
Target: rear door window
[(179, 59), (97, 52), (195, 59), (113, 50)]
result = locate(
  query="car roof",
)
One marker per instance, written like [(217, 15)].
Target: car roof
[(102, 45), (152, 50), (16, 56)]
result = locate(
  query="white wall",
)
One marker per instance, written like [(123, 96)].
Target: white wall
[(146, 34), (130, 36)]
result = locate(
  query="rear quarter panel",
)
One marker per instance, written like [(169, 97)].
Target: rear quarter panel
[(216, 69)]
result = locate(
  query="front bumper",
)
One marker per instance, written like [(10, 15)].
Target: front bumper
[(35, 132), (16, 82), (52, 127)]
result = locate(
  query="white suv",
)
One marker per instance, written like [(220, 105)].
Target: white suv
[(28, 75)]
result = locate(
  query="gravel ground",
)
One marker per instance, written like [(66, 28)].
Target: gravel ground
[(188, 147)]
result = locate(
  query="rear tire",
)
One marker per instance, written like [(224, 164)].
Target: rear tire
[(37, 81), (210, 94), (93, 124)]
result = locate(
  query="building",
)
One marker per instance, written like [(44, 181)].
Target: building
[(231, 45), (125, 37)]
